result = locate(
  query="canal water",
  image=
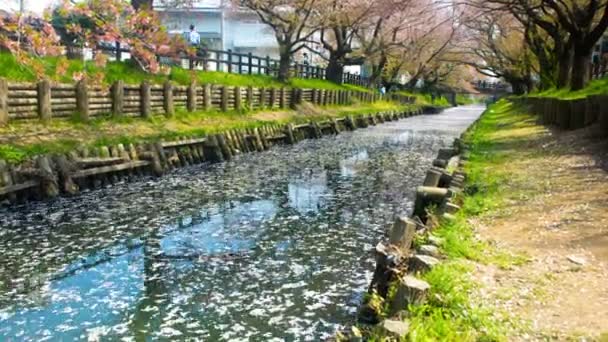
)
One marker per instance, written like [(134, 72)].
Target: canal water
[(270, 246)]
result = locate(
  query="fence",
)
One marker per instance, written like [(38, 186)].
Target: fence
[(233, 62), (46, 100)]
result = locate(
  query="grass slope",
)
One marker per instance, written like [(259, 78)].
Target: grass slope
[(453, 311), (427, 99), (595, 87), (61, 136), (11, 69)]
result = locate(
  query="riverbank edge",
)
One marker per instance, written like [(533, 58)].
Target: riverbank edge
[(422, 285), (48, 176), (410, 251)]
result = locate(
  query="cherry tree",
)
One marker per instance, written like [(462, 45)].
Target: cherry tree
[(294, 22), (28, 37), (118, 21), (572, 29)]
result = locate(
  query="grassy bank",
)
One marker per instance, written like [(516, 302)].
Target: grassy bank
[(21, 140), (454, 311), (530, 230), (428, 99), (595, 87), (126, 71)]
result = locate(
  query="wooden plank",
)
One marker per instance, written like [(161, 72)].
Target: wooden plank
[(183, 142), (95, 162), (111, 168), (277, 137), (18, 187), (302, 126)]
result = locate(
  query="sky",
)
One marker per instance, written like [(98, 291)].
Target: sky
[(36, 6)]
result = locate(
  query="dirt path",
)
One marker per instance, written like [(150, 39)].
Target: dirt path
[(557, 215)]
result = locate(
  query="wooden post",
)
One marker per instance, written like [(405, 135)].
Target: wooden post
[(294, 98), (237, 99), (259, 66), (224, 104), (118, 51), (82, 100), (44, 100), (49, 182), (207, 96), (229, 61), (191, 97), (313, 96), (432, 178), (273, 97), (240, 64), (249, 63), (262, 97), (411, 291), (225, 149), (250, 97), (299, 96), (402, 234), (118, 94), (289, 133), (268, 71), (168, 99), (144, 100), (212, 150), (428, 195), (421, 263), (3, 102), (282, 99)]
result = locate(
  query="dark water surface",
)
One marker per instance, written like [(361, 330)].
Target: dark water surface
[(271, 246)]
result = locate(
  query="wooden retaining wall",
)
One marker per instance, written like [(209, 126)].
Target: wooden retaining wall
[(48, 176), (570, 114), (46, 100)]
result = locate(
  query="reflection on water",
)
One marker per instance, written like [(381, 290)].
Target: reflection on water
[(307, 192), (270, 246), (348, 166)]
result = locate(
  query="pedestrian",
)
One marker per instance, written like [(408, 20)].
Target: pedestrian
[(382, 90), (194, 40), (305, 60)]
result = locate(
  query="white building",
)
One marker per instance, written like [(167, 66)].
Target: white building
[(221, 27)]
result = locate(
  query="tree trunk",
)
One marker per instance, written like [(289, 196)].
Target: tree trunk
[(335, 68), (581, 69), (284, 60), (378, 69), (519, 87), (564, 67), (142, 4)]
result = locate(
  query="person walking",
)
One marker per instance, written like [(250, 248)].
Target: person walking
[(382, 90), (194, 40)]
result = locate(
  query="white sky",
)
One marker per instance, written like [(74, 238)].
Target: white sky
[(36, 6)]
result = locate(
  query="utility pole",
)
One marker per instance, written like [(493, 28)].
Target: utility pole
[(19, 23)]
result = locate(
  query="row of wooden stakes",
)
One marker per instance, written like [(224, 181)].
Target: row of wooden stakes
[(49, 176), (398, 262)]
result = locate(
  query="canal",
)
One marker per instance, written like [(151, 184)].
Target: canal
[(270, 246)]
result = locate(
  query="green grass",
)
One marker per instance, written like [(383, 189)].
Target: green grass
[(595, 87), (427, 99), (184, 123), (453, 312), (463, 100), (11, 69)]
